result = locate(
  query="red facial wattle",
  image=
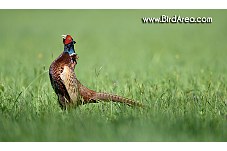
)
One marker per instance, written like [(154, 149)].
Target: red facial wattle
[(68, 40)]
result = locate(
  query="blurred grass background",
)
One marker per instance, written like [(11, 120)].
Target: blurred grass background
[(178, 70)]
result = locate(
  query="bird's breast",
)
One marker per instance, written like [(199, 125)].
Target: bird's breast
[(69, 79)]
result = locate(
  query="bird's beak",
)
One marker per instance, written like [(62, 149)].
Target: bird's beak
[(74, 42), (63, 36)]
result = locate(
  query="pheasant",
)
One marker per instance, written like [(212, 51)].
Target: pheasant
[(68, 88)]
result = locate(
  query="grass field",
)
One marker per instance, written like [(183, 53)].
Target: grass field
[(178, 70)]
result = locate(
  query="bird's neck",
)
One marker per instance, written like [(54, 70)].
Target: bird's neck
[(70, 49)]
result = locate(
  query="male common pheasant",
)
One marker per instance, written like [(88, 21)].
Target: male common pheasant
[(69, 90)]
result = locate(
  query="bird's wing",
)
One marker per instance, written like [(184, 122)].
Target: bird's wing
[(69, 79)]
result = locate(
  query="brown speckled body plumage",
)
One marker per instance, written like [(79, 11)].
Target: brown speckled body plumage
[(70, 91), (57, 67)]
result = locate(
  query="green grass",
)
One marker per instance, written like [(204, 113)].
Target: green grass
[(178, 70)]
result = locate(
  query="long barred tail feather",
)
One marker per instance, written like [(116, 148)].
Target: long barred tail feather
[(116, 98)]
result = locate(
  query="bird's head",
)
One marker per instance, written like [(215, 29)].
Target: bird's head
[(68, 44)]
